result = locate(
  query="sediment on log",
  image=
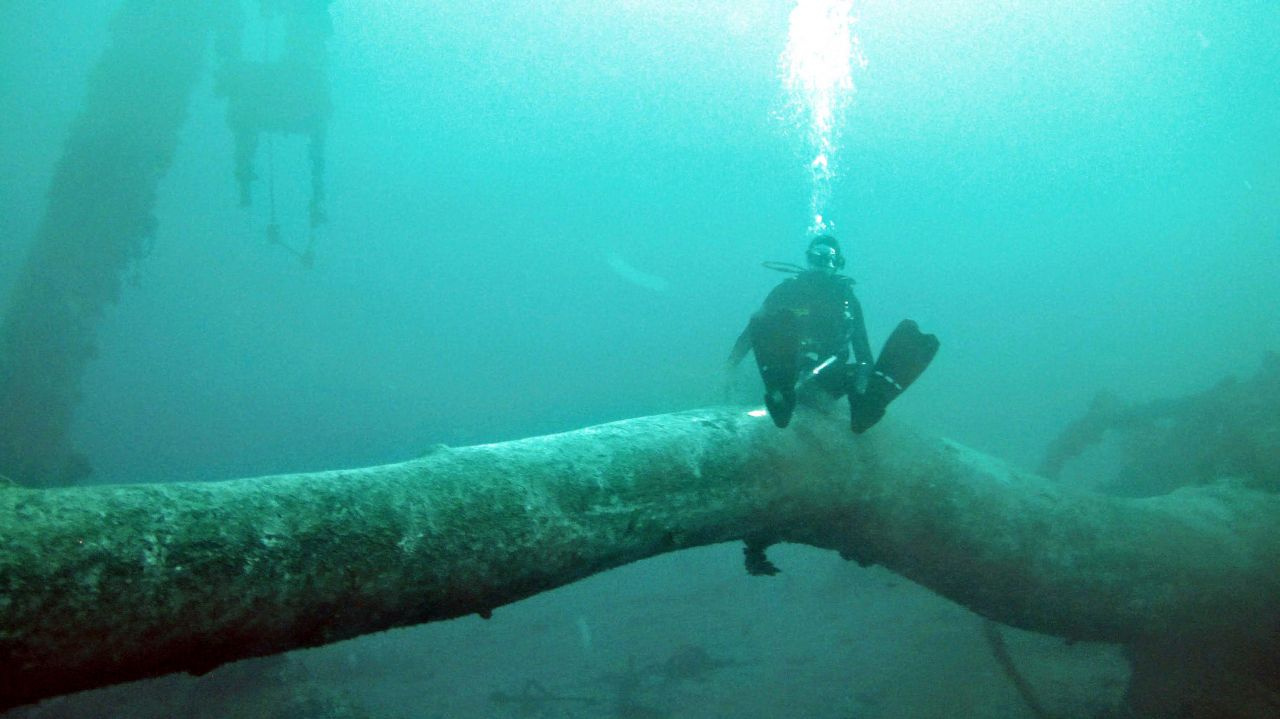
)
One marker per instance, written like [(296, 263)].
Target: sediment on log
[(109, 584)]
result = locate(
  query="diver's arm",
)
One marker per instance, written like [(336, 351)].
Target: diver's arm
[(740, 348), (777, 297)]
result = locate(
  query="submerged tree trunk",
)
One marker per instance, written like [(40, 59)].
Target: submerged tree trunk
[(97, 221), (102, 585)]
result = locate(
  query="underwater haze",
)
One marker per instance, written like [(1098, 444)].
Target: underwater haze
[(542, 216)]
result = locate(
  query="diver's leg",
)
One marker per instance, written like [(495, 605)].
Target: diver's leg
[(867, 407), (837, 377), (775, 340)]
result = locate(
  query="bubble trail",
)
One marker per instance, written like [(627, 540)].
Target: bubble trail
[(817, 73)]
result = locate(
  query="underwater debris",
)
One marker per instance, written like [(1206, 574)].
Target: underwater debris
[(1231, 430), (628, 682), (1228, 432), (285, 93), (690, 663), (534, 699), (628, 686), (1000, 651), (633, 687)]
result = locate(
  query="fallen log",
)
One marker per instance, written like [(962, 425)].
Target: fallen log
[(100, 585)]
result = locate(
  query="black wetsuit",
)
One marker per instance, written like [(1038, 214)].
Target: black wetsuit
[(805, 321)]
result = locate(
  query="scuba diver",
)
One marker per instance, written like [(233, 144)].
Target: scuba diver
[(804, 333)]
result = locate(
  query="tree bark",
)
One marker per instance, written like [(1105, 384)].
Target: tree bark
[(108, 584)]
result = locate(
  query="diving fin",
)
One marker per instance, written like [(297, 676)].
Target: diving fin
[(780, 403), (906, 354)]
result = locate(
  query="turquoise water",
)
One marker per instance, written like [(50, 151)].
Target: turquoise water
[(546, 215), (1071, 197)]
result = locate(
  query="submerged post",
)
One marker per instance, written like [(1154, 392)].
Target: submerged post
[(97, 221)]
